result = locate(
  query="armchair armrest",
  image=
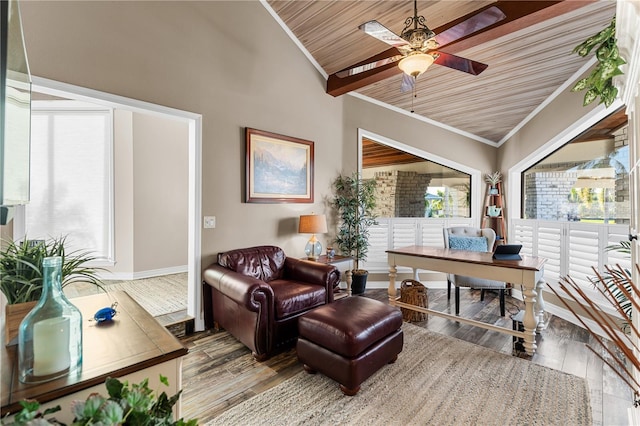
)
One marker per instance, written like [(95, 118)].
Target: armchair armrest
[(246, 291), (321, 274)]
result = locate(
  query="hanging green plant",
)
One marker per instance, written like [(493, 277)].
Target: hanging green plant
[(600, 82)]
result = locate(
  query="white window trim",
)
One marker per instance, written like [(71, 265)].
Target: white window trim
[(514, 201), (515, 172)]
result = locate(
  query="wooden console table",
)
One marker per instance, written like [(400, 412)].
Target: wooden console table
[(132, 347), (527, 272)]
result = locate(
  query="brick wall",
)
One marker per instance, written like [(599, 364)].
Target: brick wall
[(401, 193)]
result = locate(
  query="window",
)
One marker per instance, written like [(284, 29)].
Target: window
[(576, 203), (410, 186), (584, 181), (416, 199), (71, 176)]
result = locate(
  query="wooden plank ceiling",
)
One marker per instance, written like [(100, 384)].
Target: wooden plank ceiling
[(527, 62)]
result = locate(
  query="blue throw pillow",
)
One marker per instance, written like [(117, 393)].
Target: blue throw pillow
[(468, 243)]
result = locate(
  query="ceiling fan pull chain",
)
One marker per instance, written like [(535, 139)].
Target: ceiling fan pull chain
[(413, 93)]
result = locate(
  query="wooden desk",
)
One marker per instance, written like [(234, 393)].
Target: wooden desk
[(132, 347), (527, 272)]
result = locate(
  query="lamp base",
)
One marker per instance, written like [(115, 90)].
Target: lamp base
[(313, 249)]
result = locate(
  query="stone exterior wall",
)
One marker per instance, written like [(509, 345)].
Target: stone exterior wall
[(547, 195), (401, 193)]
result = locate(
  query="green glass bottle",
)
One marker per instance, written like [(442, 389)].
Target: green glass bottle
[(50, 336)]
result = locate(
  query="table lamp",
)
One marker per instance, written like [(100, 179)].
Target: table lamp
[(313, 224)]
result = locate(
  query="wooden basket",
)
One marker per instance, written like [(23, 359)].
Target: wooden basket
[(413, 293)]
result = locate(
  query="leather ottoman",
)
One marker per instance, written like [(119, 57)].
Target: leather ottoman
[(349, 340)]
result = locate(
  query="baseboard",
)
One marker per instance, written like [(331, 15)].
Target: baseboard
[(128, 276)]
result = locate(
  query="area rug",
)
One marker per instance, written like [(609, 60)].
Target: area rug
[(158, 295), (437, 380)]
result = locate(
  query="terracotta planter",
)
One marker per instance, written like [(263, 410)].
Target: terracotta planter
[(14, 314)]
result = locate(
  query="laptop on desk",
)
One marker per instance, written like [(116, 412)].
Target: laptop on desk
[(507, 252)]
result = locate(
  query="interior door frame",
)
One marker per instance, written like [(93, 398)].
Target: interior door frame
[(194, 122)]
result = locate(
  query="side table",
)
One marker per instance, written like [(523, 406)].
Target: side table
[(340, 262), (133, 347)]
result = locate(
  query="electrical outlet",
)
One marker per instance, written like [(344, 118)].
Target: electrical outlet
[(209, 221)]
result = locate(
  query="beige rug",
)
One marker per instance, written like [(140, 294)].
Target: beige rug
[(158, 295), (437, 380)]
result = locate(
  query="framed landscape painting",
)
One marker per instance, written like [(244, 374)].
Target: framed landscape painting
[(279, 169)]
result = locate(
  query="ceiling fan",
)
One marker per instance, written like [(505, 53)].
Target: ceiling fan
[(416, 46)]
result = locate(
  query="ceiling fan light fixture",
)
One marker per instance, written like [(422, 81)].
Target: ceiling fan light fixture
[(416, 63)]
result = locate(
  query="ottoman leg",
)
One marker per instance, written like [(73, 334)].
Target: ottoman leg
[(308, 369), (349, 392), (395, 358)]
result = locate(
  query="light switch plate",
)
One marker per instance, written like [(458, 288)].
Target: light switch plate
[(209, 221)]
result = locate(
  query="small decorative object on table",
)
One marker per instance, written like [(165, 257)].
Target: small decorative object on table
[(493, 179), (330, 252), (106, 314), (413, 293), (494, 211), (50, 336)]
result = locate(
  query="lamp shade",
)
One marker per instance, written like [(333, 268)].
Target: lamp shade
[(312, 224), (415, 64)]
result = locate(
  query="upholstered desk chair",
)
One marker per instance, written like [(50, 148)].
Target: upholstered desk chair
[(472, 239)]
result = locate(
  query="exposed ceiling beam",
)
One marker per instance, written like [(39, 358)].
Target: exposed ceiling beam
[(520, 14)]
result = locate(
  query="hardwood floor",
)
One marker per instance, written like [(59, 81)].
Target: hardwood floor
[(219, 372)]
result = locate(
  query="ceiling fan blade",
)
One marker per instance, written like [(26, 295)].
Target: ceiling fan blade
[(475, 23), (382, 33), (407, 83), (366, 67), (460, 64)]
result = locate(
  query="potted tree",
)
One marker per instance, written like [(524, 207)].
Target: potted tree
[(21, 275), (355, 202)]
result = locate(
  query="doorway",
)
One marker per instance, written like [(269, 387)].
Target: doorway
[(194, 144)]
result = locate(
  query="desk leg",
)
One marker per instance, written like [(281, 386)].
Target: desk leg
[(530, 322), (539, 308), (392, 284), (349, 279)]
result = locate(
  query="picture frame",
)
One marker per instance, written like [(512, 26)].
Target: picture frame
[(279, 169)]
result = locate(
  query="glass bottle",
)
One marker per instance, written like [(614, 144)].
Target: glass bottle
[(50, 336)]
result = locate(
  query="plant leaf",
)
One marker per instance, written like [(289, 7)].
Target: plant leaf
[(580, 85), (590, 96)]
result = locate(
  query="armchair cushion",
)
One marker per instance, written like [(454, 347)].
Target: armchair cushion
[(294, 297), (468, 243), (264, 262)]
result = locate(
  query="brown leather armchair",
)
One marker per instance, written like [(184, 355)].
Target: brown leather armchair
[(258, 293)]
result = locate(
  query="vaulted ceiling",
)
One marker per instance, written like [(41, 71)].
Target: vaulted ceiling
[(529, 56)]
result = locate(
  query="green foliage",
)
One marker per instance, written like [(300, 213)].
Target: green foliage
[(31, 414), (127, 404), (355, 202), (600, 82), (21, 269)]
